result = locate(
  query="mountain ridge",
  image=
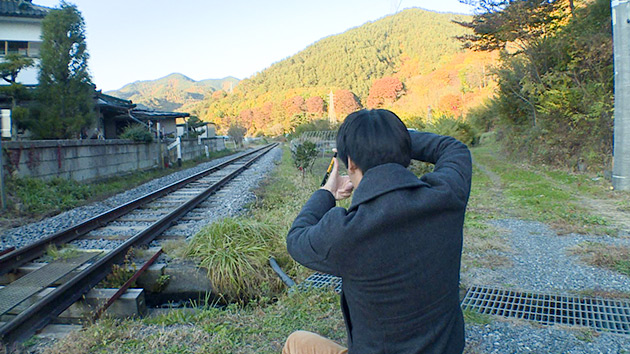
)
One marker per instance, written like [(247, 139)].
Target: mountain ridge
[(174, 91)]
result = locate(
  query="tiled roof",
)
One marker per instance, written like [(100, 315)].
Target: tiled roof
[(22, 8), (103, 100), (150, 114)]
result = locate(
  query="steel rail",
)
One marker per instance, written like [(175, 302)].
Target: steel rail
[(41, 312), (20, 256)]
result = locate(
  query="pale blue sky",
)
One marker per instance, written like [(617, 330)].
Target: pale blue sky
[(147, 39)]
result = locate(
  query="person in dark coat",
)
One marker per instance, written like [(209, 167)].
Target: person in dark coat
[(397, 247)]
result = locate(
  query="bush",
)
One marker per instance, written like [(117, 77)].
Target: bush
[(456, 128), (304, 155), (137, 132), (483, 118)]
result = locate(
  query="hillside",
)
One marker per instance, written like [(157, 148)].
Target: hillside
[(415, 47), (172, 92)]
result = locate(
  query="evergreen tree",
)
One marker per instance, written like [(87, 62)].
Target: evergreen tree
[(65, 93), (10, 67)]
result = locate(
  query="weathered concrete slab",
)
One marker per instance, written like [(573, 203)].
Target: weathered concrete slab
[(131, 304)]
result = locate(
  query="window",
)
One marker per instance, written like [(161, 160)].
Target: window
[(33, 49), (30, 49), (18, 47)]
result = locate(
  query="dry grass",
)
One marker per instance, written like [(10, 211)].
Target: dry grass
[(615, 258)]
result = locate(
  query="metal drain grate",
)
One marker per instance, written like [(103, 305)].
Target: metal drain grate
[(612, 315), (321, 280)]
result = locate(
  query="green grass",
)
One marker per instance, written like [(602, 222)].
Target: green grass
[(545, 195), (474, 317), (235, 252), (251, 329), (63, 253), (484, 245), (616, 258)]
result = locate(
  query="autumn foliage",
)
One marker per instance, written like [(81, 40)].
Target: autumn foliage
[(409, 62), (315, 106), (384, 91)]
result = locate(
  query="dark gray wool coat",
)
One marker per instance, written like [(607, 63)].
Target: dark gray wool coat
[(398, 250)]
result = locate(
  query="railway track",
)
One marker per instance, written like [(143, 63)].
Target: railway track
[(130, 225)]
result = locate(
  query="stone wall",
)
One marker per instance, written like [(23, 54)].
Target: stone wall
[(85, 160)]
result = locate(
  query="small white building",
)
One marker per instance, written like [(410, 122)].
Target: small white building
[(208, 130), (20, 32)]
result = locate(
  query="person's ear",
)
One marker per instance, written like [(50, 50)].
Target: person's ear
[(352, 167)]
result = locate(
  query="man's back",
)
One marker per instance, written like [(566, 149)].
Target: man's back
[(397, 249)]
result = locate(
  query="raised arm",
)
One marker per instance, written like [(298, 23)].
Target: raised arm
[(453, 164), (315, 233)]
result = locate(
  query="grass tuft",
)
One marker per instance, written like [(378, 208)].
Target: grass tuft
[(235, 251), (474, 317)]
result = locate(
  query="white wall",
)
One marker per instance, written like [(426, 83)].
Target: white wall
[(20, 29)]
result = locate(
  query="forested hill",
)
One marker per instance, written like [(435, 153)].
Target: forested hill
[(172, 92), (403, 50), (353, 59)]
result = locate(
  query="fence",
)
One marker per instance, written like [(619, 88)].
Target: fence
[(85, 160), (325, 140)]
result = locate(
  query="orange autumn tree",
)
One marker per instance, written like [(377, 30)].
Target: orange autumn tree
[(345, 102), (315, 106), (384, 91)]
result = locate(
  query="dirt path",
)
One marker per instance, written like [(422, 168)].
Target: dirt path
[(609, 209)]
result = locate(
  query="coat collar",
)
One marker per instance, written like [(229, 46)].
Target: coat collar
[(382, 179)]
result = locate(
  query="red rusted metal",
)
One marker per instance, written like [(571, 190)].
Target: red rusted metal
[(127, 284), (7, 250)]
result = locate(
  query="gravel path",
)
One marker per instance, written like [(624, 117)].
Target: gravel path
[(542, 262), (502, 336), (240, 196)]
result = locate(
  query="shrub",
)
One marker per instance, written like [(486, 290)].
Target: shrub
[(235, 251), (456, 128), (137, 132), (304, 155)]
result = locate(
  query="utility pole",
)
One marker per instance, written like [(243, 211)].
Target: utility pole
[(621, 51), (332, 117)]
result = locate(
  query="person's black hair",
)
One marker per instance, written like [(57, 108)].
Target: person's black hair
[(372, 138)]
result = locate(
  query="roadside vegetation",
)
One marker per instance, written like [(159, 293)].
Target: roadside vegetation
[(31, 199)]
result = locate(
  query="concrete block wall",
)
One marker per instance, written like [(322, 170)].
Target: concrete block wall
[(193, 148), (86, 160)]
